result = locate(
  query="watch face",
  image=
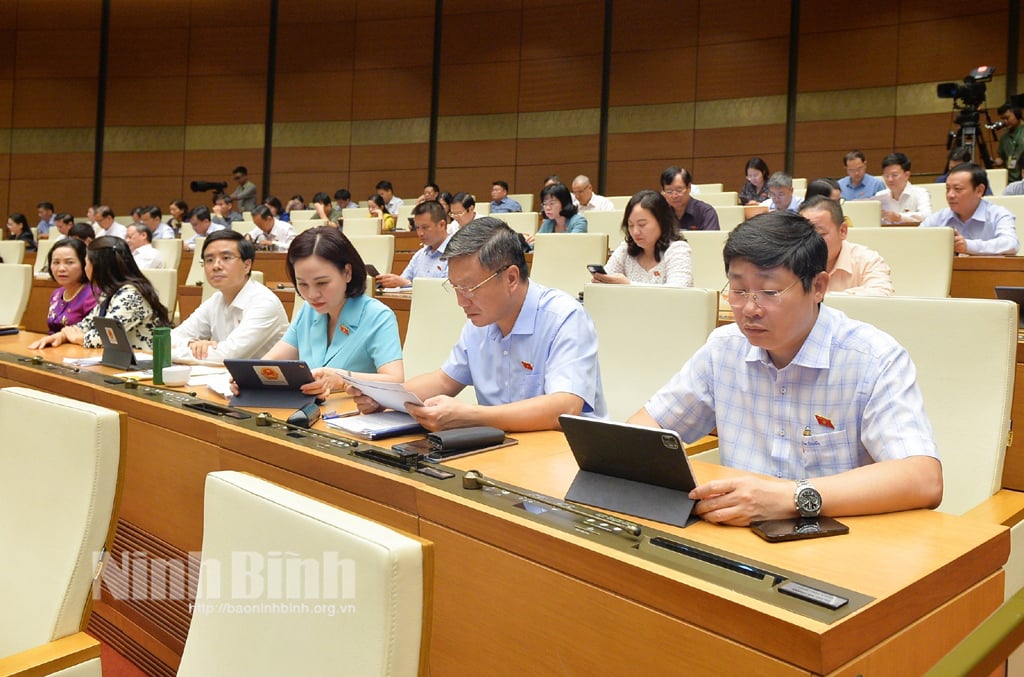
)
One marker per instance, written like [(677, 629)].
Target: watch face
[(808, 501)]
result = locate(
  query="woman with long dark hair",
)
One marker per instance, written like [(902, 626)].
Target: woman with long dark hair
[(17, 226), (123, 294)]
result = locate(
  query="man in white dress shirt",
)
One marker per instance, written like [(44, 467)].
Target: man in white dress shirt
[(270, 232), (243, 319), (140, 239), (108, 226), (588, 200), (901, 202)]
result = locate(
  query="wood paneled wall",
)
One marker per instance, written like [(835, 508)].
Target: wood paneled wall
[(699, 83)]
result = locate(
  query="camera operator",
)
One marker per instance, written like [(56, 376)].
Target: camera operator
[(1011, 144)]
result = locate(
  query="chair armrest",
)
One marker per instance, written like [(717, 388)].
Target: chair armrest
[(49, 658), (1005, 507)]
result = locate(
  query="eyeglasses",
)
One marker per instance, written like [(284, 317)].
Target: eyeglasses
[(470, 292), (761, 297), (551, 203), (673, 191), (458, 215), (225, 259)]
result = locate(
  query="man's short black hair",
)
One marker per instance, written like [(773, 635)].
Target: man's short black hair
[(201, 212), (503, 184), (979, 177), (896, 159), (779, 239), (384, 185), (246, 249)]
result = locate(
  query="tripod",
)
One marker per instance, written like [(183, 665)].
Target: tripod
[(970, 136)]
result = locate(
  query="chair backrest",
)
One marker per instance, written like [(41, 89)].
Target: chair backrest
[(674, 323), (302, 214), (706, 257), (799, 183), (560, 259), (404, 212), (730, 216), (521, 222), (165, 281), (16, 282), (300, 225), (43, 248), (364, 588), (525, 200), (620, 201), (365, 225), (965, 353), (482, 208), (12, 251), (195, 271), (702, 188), (921, 259), (997, 180), (376, 249), (727, 198), (247, 216), (124, 220), (170, 250), (609, 223), (1015, 203), (62, 483), (187, 231), (243, 227), (863, 213), (937, 193), (209, 290), (435, 324)]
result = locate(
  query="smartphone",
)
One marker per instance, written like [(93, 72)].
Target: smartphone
[(372, 270), (596, 268), (798, 527)]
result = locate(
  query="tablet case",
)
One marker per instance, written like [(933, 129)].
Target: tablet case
[(271, 384)]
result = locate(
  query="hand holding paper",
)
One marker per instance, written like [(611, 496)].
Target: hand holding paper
[(387, 395)]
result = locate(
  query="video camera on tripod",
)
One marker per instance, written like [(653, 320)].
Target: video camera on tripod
[(969, 104)]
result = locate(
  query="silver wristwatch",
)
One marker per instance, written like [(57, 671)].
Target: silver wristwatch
[(807, 499)]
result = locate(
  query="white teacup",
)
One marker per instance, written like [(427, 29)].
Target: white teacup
[(177, 375)]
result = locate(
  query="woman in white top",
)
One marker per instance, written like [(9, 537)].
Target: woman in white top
[(654, 251)]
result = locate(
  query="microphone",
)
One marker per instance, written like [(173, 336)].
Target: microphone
[(305, 417)]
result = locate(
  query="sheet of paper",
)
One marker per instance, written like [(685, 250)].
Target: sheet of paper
[(388, 395), (366, 425)]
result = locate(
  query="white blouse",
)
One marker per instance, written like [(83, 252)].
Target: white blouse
[(675, 268)]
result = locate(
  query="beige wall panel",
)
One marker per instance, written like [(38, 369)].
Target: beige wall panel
[(557, 150), (325, 159), (641, 25), (759, 140), (51, 166), (482, 37), (123, 193), (56, 53), (145, 52), (216, 165), (143, 15), (459, 154), (315, 47), (408, 183), (477, 180), (43, 15), (146, 101), (226, 99), (307, 184), (649, 145), (743, 20), (664, 76), (380, 158), (844, 135), (144, 164), (228, 50), (560, 84), (479, 89), (313, 97), (37, 103), (924, 53), (74, 195), (390, 94), (397, 42), (570, 30), (826, 63), (232, 12), (742, 69)]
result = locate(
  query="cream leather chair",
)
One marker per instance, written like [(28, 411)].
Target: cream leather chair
[(247, 216), (799, 183), (209, 290), (1015, 203), (165, 281), (62, 483), (863, 213), (729, 216), (354, 212), (365, 588), (702, 188), (521, 222), (609, 223), (300, 225), (404, 212), (921, 259), (525, 200), (16, 282), (170, 250), (376, 249), (483, 209), (560, 259), (243, 227), (937, 193), (187, 231), (195, 271), (727, 198), (302, 214), (997, 180), (435, 324), (620, 201), (43, 248), (665, 325), (364, 225), (708, 265), (12, 251)]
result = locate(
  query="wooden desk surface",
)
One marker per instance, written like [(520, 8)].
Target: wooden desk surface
[(537, 599)]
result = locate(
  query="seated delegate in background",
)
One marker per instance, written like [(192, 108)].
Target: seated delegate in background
[(653, 252), (690, 213), (852, 268), (178, 211), (462, 209), (295, 202), (755, 188), (243, 319), (902, 202), (780, 188), (530, 352), (500, 201), (958, 156), (270, 233), (839, 415), (981, 228), (17, 226), (379, 209), (74, 298), (272, 203), (339, 330), (560, 214), (824, 187), (124, 294), (429, 218)]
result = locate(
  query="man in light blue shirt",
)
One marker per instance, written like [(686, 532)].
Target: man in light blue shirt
[(530, 352), (806, 400), (981, 228), (858, 184), (501, 203), (432, 230), (780, 188), (46, 218)]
